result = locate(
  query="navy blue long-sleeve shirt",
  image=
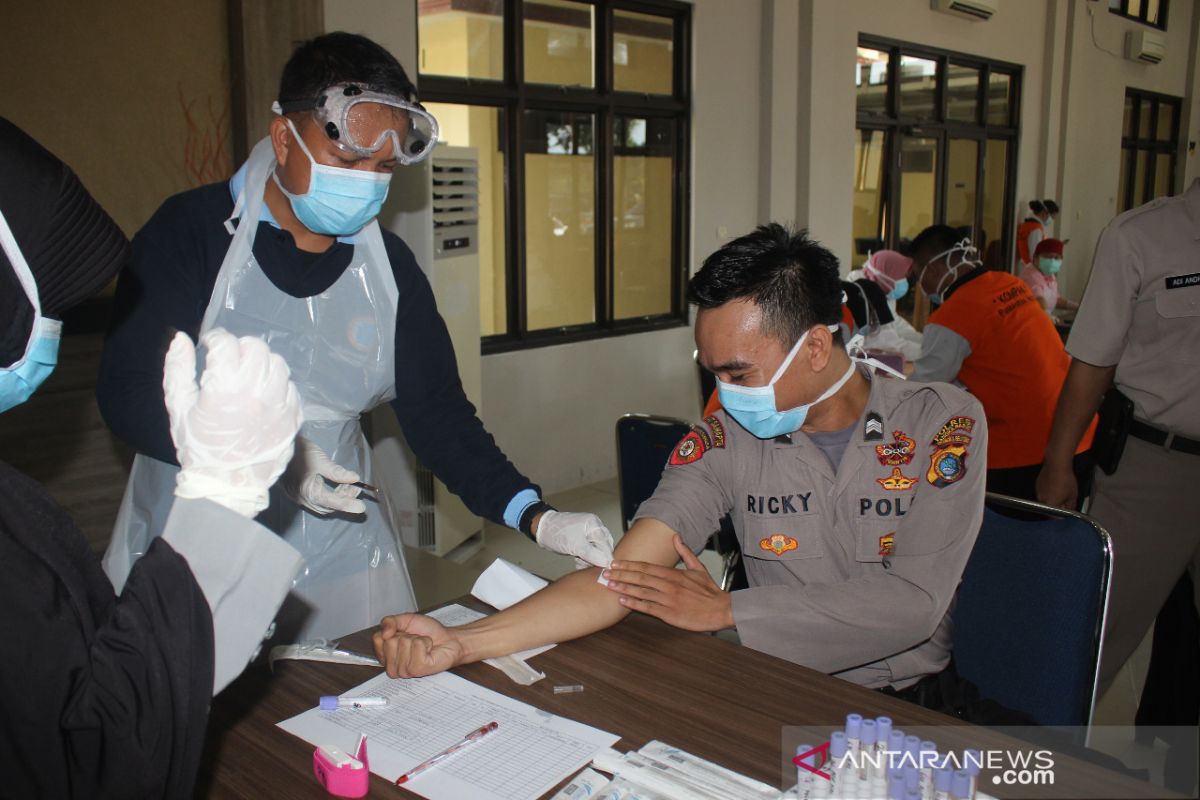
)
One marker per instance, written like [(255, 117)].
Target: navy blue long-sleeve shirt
[(167, 286)]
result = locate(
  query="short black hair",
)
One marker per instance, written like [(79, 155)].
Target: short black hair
[(792, 278), (933, 240), (1036, 207), (1050, 206), (342, 57)]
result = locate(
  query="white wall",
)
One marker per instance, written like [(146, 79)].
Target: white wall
[(773, 127)]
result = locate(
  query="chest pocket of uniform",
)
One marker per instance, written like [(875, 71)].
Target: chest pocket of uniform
[(874, 540), (1182, 304), (782, 538)]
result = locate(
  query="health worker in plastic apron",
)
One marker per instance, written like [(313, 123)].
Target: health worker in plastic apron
[(289, 250)]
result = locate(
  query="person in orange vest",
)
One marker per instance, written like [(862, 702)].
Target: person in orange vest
[(990, 335), (1032, 230)]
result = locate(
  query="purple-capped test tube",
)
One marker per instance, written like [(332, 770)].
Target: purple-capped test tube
[(973, 764), (960, 785), (942, 777), (866, 746), (837, 753), (853, 732), (805, 777)]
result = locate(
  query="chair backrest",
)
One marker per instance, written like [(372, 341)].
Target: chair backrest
[(644, 443), (1030, 611)]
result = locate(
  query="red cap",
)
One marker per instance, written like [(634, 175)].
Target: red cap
[(1049, 247)]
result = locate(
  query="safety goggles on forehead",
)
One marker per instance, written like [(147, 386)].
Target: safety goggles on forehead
[(359, 122)]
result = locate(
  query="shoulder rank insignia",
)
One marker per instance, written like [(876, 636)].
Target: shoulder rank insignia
[(957, 430), (718, 432), (778, 544), (873, 428), (887, 544), (947, 465), (899, 452), (689, 449), (897, 481)]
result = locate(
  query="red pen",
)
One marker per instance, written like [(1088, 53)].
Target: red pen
[(473, 736)]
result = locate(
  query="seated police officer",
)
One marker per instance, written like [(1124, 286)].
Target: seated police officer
[(856, 499)]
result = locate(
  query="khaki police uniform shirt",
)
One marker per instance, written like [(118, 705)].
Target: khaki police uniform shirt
[(850, 573), (1141, 310)]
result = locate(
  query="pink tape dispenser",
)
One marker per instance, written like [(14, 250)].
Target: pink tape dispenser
[(342, 774)]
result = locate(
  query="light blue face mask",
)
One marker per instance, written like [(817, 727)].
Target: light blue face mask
[(21, 379), (1049, 266), (339, 201), (899, 290), (755, 408)]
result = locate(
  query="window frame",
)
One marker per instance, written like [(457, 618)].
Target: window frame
[(1134, 144), (1143, 15), (896, 124), (514, 97)]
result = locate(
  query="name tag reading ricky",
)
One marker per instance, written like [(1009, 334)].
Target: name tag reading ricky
[(1182, 281)]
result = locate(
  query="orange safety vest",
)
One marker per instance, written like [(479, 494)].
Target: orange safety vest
[(1016, 367), (1023, 231)]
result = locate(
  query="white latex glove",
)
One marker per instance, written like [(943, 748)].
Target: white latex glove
[(305, 482), (233, 433), (574, 534)]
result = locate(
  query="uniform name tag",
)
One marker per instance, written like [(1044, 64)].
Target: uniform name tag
[(1181, 281)]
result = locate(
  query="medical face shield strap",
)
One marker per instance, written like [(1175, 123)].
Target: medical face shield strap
[(966, 248), (343, 113), (858, 355), (870, 269)]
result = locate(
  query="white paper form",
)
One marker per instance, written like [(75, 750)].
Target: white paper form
[(530, 751)]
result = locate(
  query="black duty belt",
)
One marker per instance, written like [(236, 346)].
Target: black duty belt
[(1153, 435)]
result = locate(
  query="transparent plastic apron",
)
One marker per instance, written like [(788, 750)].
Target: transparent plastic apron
[(340, 349)]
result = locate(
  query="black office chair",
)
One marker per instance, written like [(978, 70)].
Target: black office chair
[(644, 443), (1030, 613)]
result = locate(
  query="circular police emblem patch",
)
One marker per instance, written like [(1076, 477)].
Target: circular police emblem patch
[(947, 465), (689, 449)]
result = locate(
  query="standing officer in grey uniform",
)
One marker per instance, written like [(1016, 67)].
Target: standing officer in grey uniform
[(856, 499), (1138, 328)]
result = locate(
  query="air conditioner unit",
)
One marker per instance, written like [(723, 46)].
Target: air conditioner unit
[(977, 9), (434, 207), (1149, 47)]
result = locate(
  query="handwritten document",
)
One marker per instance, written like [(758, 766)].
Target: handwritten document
[(530, 752)]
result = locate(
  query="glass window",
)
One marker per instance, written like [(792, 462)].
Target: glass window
[(1162, 175), (560, 236), (464, 41), (1127, 122), (643, 215), (1145, 114), (962, 163), (643, 53), (558, 43), (1127, 157), (481, 128), (991, 231), (869, 196), (918, 87), (918, 184), (1142, 193), (999, 99), (1165, 132), (871, 82), (962, 93)]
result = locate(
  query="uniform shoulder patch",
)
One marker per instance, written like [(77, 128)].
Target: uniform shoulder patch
[(947, 465), (718, 431), (957, 430), (690, 448)]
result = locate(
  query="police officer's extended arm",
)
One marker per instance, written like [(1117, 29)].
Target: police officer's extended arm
[(412, 645), (1081, 395), (942, 355)]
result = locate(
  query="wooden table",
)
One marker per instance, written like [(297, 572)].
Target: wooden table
[(643, 680)]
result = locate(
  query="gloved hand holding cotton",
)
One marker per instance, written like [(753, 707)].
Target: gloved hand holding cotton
[(233, 432), (305, 482), (576, 534)]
